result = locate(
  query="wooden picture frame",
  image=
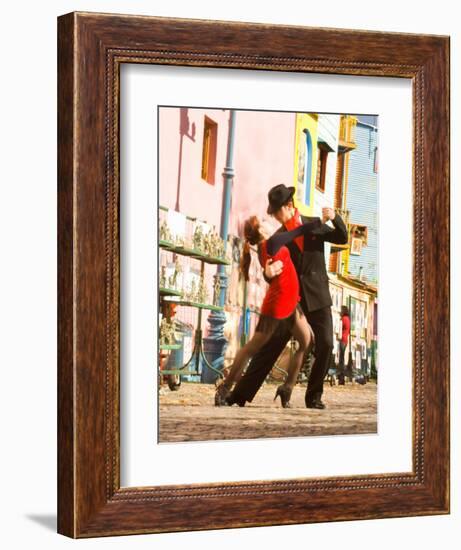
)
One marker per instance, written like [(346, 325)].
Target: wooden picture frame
[(91, 48)]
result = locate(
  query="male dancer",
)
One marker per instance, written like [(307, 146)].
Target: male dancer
[(309, 260)]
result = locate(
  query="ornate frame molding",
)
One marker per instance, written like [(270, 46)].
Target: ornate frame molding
[(91, 49)]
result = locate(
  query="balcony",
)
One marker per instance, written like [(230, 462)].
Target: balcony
[(347, 133)]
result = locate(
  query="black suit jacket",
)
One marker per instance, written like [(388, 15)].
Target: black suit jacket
[(310, 264)]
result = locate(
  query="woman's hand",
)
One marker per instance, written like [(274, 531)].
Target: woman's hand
[(272, 269)]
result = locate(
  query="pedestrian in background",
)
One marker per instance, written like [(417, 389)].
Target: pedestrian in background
[(345, 331)]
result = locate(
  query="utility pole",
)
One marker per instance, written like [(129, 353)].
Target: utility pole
[(216, 343)]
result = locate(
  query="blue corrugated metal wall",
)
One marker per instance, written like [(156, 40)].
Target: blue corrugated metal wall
[(362, 199)]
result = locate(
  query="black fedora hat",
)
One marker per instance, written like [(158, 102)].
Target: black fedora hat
[(278, 196)]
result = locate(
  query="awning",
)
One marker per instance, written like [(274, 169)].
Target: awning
[(325, 146)]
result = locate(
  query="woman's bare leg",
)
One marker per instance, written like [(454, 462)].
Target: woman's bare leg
[(303, 334), (242, 357)]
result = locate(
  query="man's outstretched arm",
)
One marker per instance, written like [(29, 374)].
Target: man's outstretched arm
[(337, 235)]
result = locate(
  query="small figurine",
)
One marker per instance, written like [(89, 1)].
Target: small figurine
[(162, 277), (202, 293), (207, 244), (179, 241), (220, 248), (215, 245), (217, 291), (191, 294), (167, 332), (177, 271), (198, 238), (164, 232)]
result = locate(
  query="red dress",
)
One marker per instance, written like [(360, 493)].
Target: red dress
[(282, 295)]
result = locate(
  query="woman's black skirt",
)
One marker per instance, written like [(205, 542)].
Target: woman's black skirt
[(278, 327)]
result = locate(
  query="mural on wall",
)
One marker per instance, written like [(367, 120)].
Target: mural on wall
[(359, 317), (336, 293)]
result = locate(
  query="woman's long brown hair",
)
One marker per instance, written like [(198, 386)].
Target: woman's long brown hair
[(252, 237)]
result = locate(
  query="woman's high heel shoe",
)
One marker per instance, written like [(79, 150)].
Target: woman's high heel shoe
[(221, 395), (285, 395)]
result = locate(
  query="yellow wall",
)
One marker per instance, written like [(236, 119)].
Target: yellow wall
[(309, 122), (345, 259)]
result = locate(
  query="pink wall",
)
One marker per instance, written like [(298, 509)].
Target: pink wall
[(197, 198), (263, 157)]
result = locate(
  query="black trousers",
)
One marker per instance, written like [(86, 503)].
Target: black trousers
[(342, 352), (261, 363)]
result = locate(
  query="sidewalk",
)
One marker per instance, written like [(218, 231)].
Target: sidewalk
[(190, 415)]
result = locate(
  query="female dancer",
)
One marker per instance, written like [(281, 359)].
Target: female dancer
[(280, 307)]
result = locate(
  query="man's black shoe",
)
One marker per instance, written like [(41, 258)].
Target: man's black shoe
[(314, 402), (315, 405), (233, 399)]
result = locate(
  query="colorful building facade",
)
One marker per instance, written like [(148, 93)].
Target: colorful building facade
[(362, 201), (354, 270)]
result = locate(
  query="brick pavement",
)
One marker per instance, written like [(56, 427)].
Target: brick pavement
[(190, 415)]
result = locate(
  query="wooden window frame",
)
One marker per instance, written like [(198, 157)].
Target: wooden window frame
[(322, 161), (209, 150)]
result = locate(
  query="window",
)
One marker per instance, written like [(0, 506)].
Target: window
[(360, 232), (210, 138), (322, 156)]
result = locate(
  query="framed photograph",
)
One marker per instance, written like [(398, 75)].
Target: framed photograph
[(226, 236)]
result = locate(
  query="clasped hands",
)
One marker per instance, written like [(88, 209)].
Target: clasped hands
[(272, 269)]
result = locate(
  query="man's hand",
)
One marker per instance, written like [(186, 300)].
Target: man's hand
[(328, 214), (272, 269)]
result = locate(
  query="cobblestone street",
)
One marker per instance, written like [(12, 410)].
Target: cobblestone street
[(190, 415)]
